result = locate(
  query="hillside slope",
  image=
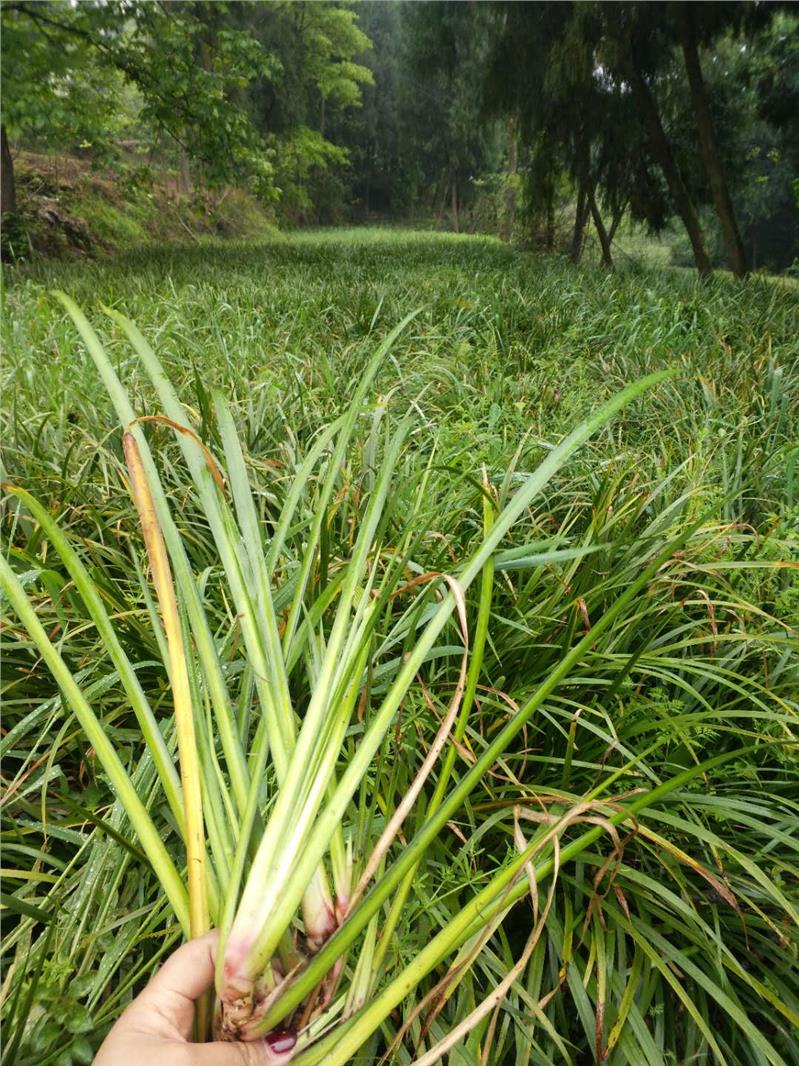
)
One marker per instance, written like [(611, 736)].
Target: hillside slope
[(68, 207)]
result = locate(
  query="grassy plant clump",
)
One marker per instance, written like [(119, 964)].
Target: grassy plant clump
[(448, 643)]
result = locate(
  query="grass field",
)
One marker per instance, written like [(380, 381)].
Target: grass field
[(671, 936)]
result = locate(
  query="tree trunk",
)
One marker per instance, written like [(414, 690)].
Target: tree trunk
[(456, 218), (8, 186), (441, 200), (580, 220), (708, 143), (549, 234), (661, 150), (510, 188), (618, 215), (583, 206), (602, 233)]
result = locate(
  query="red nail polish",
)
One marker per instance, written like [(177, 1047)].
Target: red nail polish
[(281, 1040)]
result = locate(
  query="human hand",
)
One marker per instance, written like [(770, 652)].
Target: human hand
[(155, 1030)]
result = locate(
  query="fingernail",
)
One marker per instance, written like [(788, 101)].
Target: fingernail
[(281, 1041)]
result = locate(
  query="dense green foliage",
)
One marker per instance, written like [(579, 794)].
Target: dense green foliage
[(184, 68), (536, 121), (672, 937), (233, 93), (505, 545)]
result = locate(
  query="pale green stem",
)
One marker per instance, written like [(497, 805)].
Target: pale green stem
[(269, 894), (355, 922)]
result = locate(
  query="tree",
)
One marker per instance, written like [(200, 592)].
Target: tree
[(384, 175), (303, 109), (767, 146), (187, 64), (689, 17), (636, 43), (544, 70), (646, 37), (52, 90), (446, 53), (594, 86), (8, 191)]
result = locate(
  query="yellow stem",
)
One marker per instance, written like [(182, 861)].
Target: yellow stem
[(199, 921)]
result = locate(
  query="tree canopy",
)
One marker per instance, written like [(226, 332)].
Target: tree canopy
[(580, 114)]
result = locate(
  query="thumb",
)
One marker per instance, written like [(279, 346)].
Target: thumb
[(254, 1053), (167, 1003)]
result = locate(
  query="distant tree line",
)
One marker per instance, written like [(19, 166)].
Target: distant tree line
[(502, 115), (654, 112)]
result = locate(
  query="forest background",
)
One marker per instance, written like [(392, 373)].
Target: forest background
[(664, 130)]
